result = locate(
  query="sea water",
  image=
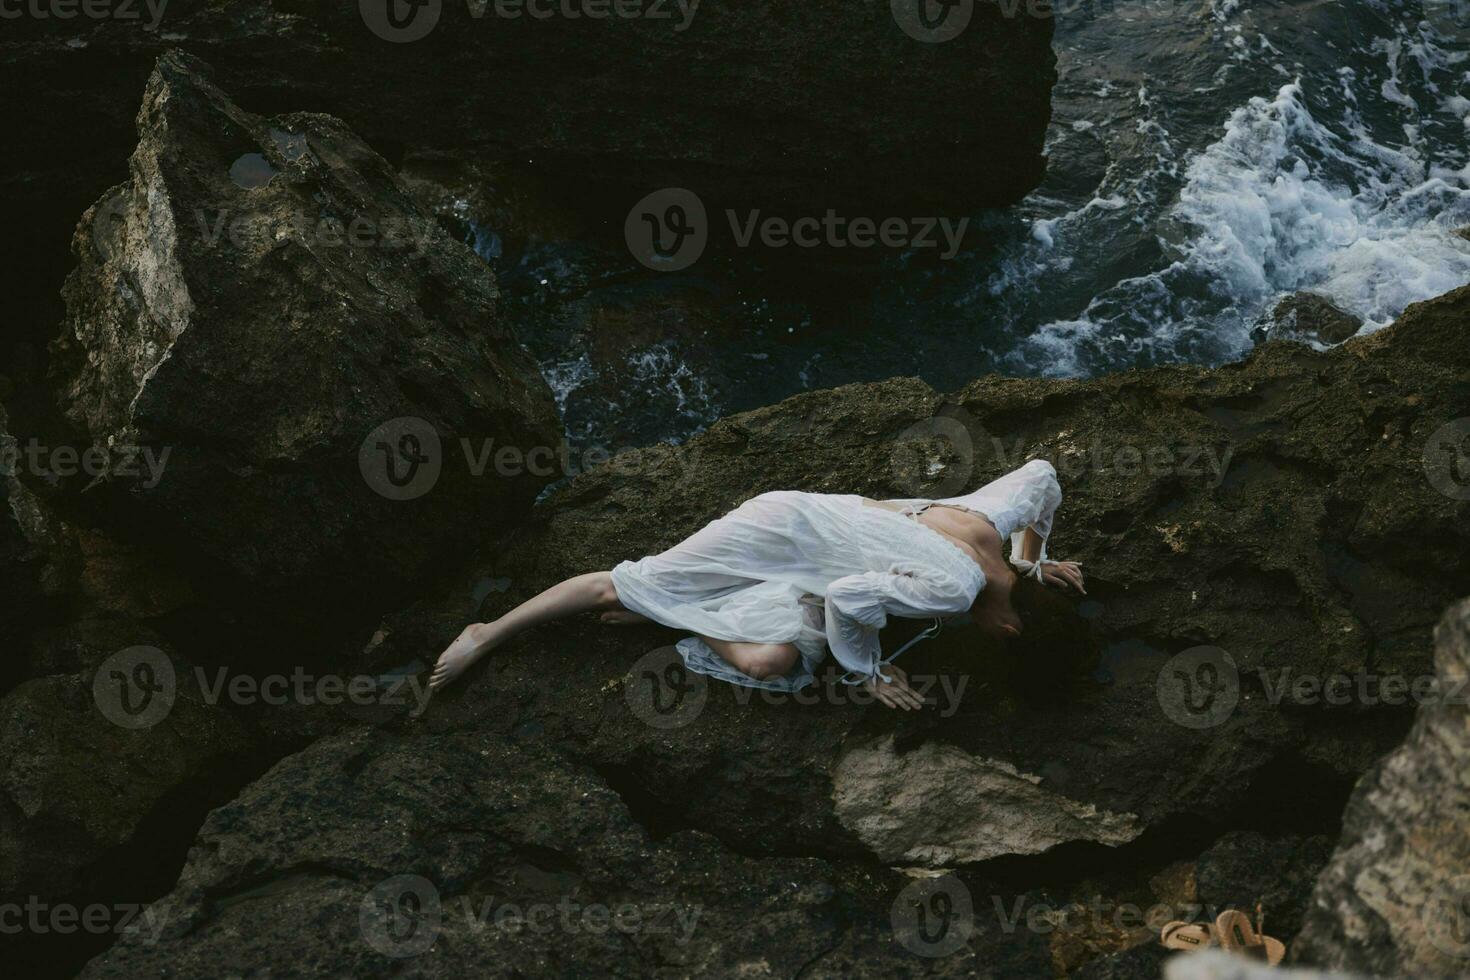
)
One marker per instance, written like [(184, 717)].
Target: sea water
[(1206, 159)]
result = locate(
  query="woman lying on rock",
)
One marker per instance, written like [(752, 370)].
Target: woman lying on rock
[(771, 586)]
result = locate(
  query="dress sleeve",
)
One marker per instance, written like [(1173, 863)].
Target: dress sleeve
[(1037, 498), (858, 606)]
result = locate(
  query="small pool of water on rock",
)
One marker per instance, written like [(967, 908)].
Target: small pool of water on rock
[(252, 171)]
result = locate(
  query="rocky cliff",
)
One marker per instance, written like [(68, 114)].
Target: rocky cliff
[(1395, 898), (1261, 541), (1268, 546)]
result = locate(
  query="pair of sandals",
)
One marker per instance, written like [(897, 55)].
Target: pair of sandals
[(1232, 931)]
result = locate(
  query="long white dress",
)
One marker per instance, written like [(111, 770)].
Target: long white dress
[(825, 571)]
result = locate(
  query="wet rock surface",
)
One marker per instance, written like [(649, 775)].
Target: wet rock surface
[(888, 800), (1392, 901), (284, 355), (1307, 317)]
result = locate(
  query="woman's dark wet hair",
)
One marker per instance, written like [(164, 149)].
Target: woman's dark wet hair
[(1056, 655)]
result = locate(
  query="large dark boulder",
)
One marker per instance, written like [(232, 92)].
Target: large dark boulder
[(248, 313), (1395, 898), (1291, 511), (475, 854)]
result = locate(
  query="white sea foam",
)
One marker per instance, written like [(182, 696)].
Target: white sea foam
[(1280, 203)]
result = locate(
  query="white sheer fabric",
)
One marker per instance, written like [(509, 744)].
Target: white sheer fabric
[(1024, 498), (823, 571)]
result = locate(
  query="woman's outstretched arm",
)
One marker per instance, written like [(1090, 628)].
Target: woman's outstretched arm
[(592, 592), (1067, 574)]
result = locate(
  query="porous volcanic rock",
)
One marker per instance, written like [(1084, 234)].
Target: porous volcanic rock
[(1393, 898)]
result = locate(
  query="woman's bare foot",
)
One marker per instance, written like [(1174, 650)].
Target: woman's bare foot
[(477, 640), (622, 617)]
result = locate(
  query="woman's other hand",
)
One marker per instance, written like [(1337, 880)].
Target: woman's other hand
[(894, 692), (1067, 574)]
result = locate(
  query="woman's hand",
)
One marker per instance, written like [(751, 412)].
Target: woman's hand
[(1067, 574), (895, 692)]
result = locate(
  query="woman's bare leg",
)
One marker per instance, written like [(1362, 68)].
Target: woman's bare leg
[(757, 660), (592, 592)]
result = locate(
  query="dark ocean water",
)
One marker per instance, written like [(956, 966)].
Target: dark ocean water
[(1206, 158)]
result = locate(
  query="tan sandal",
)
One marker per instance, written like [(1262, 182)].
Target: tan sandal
[(1237, 935), (1187, 935)]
